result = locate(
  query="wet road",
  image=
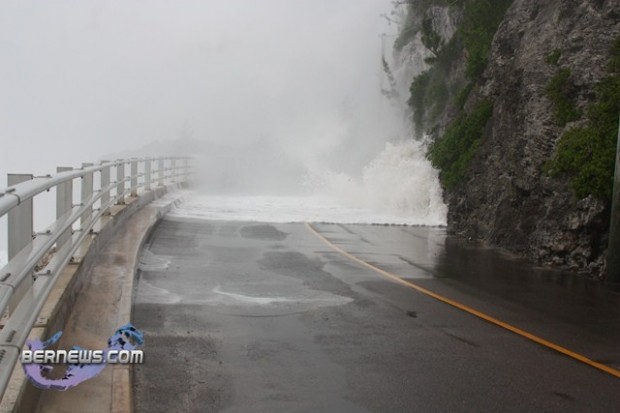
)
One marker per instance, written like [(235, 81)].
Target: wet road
[(248, 317)]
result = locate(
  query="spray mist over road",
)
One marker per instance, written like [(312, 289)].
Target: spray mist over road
[(272, 98), (341, 153)]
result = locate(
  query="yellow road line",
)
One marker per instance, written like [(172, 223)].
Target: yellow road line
[(469, 310)]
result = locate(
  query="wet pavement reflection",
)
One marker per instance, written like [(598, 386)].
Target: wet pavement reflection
[(246, 316), (561, 295)]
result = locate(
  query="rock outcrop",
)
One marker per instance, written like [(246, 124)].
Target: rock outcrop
[(506, 196)]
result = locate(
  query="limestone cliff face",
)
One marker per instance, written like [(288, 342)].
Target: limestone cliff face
[(505, 196)]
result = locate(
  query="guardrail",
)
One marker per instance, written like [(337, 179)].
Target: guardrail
[(37, 259)]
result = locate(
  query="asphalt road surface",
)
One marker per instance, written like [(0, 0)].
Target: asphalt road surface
[(250, 317)]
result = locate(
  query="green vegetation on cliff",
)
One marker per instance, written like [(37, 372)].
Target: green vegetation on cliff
[(411, 22), (429, 95), (587, 154), (531, 96), (481, 18), (452, 153), (553, 57), (562, 92), (435, 90)]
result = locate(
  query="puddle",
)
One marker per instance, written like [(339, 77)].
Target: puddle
[(151, 262), (270, 299), (148, 293), (253, 300)]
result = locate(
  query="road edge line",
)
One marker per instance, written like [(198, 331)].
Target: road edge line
[(538, 340)]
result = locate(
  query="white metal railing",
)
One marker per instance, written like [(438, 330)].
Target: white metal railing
[(25, 282)]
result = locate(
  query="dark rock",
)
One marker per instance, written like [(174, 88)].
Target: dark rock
[(508, 200)]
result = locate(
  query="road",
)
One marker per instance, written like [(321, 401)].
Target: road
[(251, 317)]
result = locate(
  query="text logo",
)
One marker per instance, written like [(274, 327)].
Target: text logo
[(82, 364)]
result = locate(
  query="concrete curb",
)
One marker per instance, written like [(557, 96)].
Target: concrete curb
[(22, 397), (122, 376)]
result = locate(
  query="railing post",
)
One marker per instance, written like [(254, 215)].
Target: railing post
[(120, 178), (147, 174), (160, 172), (613, 246), (173, 166), (19, 234), (105, 182), (86, 192), (134, 177), (64, 203)]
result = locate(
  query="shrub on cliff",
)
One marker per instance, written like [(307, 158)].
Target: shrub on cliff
[(433, 91), (452, 153), (588, 154), (562, 91), (480, 22)]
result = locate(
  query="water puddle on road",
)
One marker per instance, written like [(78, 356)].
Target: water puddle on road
[(253, 300), (317, 298), (151, 294), (271, 299), (247, 299), (151, 262)]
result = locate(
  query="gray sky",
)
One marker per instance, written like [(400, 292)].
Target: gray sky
[(272, 82), (84, 78)]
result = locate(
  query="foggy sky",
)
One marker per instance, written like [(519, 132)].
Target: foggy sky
[(84, 78)]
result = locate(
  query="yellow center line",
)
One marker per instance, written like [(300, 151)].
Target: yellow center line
[(468, 309)]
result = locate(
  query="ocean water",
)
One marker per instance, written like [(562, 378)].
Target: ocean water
[(282, 209), (398, 187)]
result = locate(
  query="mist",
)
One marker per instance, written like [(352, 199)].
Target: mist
[(82, 80), (270, 97)]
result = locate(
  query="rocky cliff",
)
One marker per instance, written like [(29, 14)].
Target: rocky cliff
[(520, 100)]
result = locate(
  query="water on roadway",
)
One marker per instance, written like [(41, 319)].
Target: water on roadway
[(257, 317)]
